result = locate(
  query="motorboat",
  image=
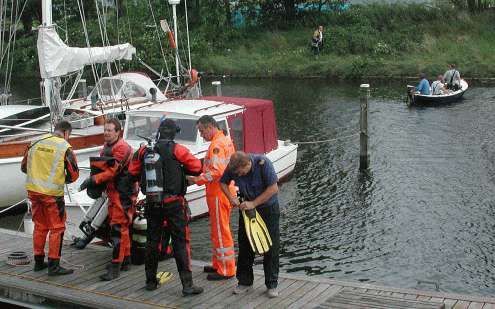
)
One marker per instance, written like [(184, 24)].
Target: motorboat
[(415, 98), (249, 122)]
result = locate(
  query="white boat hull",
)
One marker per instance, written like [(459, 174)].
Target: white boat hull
[(12, 184), (283, 158)]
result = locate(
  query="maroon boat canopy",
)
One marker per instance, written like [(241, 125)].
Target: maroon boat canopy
[(257, 133)]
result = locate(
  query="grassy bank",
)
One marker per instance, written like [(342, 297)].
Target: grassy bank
[(368, 41), (375, 40)]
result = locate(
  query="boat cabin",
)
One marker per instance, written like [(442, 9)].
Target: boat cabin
[(249, 122)]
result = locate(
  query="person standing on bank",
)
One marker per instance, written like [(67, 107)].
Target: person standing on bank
[(49, 164), (175, 161), (256, 179), (317, 40), (121, 194), (215, 162)]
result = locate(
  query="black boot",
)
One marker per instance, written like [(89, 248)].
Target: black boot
[(187, 284), (113, 272), (54, 268), (126, 264), (39, 263)]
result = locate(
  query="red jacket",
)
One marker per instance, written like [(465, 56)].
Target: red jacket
[(122, 153)]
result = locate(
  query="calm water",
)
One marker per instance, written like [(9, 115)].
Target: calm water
[(424, 212)]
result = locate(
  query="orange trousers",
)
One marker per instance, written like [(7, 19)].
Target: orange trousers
[(223, 257), (120, 220), (49, 218)]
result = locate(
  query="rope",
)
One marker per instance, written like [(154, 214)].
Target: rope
[(158, 36), (10, 207), (325, 140)]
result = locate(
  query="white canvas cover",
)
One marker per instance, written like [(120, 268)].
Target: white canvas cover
[(58, 59)]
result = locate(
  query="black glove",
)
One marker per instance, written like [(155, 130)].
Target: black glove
[(86, 183)]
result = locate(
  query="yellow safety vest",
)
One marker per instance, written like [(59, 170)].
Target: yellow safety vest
[(45, 166)]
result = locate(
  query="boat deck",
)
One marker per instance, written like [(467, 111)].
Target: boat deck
[(84, 289)]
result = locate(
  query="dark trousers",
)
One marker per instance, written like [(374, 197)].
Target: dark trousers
[(245, 259), (177, 215)]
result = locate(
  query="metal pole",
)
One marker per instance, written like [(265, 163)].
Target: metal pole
[(363, 123), (218, 85), (174, 10)]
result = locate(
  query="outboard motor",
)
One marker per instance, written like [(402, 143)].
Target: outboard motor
[(138, 246), (93, 220)]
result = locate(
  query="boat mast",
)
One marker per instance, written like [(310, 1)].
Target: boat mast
[(174, 11), (46, 12)]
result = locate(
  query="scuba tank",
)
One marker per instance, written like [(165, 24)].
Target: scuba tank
[(138, 246), (153, 174), (93, 220)]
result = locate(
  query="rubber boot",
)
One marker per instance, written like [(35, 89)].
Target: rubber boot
[(187, 284), (126, 264), (39, 263), (54, 268), (113, 272)]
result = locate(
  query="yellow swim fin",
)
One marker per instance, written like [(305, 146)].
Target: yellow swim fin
[(256, 231), (163, 277)]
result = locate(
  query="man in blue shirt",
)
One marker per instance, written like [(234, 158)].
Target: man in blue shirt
[(424, 85), (256, 179)]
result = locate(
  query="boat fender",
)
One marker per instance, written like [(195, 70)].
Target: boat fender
[(171, 39)]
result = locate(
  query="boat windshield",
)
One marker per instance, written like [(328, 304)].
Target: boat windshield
[(108, 88), (139, 126)]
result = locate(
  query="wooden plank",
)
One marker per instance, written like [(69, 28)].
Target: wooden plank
[(474, 305), (285, 288), (298, 294), (258, 290), (461, 304), (489, 306), (320, 299), (310, 296), (449, 303)]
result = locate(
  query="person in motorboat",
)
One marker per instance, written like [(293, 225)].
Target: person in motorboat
[(256, 179), (166, 165), (438, 87), (122, 195), (453, 78), (49, 164), (215, 163), (424, 85)]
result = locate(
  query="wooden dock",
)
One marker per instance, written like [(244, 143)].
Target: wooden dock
[(83, 289)]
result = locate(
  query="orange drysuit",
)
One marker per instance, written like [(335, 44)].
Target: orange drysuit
[(215, 163), (122, 193), (49, 163)]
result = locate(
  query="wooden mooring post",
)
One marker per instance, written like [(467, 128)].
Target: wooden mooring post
[(363, 127), (218, 85)]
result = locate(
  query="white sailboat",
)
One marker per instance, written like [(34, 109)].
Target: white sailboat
[(112, 96)]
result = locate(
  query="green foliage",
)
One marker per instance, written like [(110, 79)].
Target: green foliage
[(378, 39)]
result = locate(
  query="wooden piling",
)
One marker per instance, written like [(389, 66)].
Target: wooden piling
[(363, 124), (218, 85)]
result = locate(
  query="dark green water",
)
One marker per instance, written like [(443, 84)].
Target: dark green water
[(424, 212)]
